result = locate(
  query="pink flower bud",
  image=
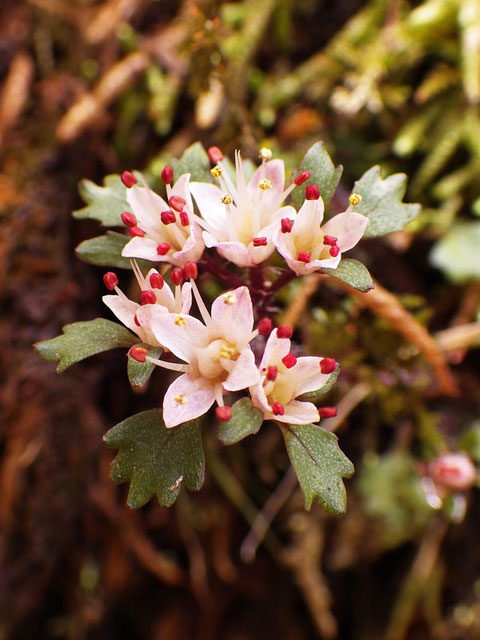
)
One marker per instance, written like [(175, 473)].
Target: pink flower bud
[(453, 471), (302, 177), (167, 175), (312, 192), (129, 219), (327, 365), (223, 413), (110, 280), (139, 353), (128, 179), (265, 326)]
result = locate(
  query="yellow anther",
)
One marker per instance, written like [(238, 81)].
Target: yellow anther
[(265, 184), (229, 298), (216, 171), (180, 321), (226, 351), (180, 399), (227, 199), (264, 153), (355, 198)]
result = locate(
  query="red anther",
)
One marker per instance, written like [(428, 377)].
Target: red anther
[(224, 413), (177, 276), (327, 412), (184, 219), (148, 297), (128, 179), (289, 360), (167, 175), (135, 319), (139, 353), (331, 240), (265, 326), (190, 270), (302, 177), (278, 409), (287, 225), (303, 256), (136, 231), (272, 373), (163, 248), (260, 242), (177, 202), (312, 192), (334, 251), (110, 280), (167, 217), (129, 219), (215, 154), (156, 281), (327, 365), (284, 331)]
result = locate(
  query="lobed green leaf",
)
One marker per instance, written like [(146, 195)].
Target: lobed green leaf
[(81, 340), (354, 273), (139, 372), (382, 202), (106, 251), (105, 204), (322, 172), (319, 464), (246, 419), (154, 459), (194, 161)]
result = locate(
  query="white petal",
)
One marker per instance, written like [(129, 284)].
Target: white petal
[(347, 227), (181, 188), (124, 309), (232, 314), (297, 412), (197, 394), (145, 248), (209, 202), (244, 374), (146, 207), (307, 375), (275, 349)]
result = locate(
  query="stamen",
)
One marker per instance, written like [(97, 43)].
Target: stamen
[(184, 218), (216, 171), (139, 353), (327, 412), (163, 248), (190, 270), (301, 178), (167, 217), (265, 154), (265, 326), (260, 242), (136, 320), (334, 251), (171, 366), (272, 373), (136, 232), (312, 192), (180, 321), (355, 198), (289, 360), (331, 240), (265, 184), (177, 203), (287, 225), (177, 276), (224, 413), (229, 298), (167, 175), (327, 365), (284, 331), (303, 257), (128, 219), (215, 154), (180, 399), (148, 297), (278, 409), (110, 280), (227, 199), (156, 281), (128, 179), (200, 303)]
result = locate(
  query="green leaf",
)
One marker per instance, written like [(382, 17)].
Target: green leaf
[(246, 419), (194, 161), (354, 273), (322, 172), (81, 340), (106, 251), (311, 396), (319, 464), (139, 372), (105, 204), (382, 202), (456, 254), (156, 460)]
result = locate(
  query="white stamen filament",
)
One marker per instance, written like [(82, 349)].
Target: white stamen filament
[(172, 366), (200, 303), (228, 181), (218, 391)]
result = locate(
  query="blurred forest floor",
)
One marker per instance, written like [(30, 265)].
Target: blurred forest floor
[(92, 87)]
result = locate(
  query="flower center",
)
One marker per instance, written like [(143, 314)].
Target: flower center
[(212, 360)]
